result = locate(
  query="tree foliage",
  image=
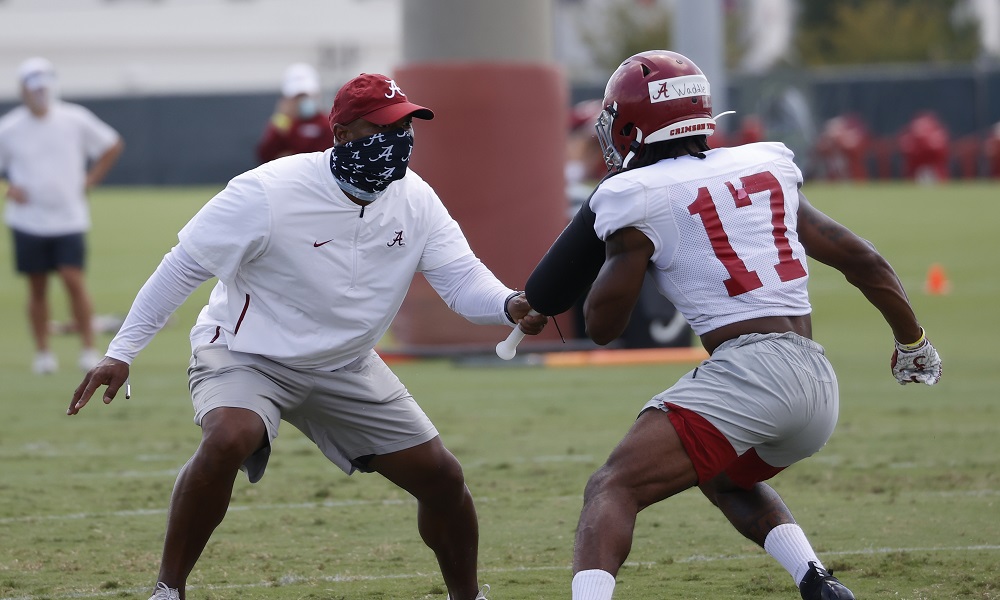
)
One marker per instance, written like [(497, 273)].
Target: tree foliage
[(828, 32), (843, 32), (627, 27)]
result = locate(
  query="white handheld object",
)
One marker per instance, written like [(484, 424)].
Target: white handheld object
[(508, 348)]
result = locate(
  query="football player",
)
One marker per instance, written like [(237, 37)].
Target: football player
[(726, 234)]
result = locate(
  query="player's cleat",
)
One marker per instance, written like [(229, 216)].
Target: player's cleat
[(163, 592), (45, 363), (820, 584), (88, 359), (480, 596)]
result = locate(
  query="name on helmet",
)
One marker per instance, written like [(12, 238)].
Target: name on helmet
[(678, 87)]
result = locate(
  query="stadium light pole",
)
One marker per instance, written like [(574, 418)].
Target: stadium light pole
[(495, 151), (699, 33)]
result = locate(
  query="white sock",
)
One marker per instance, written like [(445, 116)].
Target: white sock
[(788, 545), (593, 584)]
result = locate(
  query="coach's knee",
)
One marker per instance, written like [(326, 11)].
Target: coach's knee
[(429, 472), (230, 436), (444, 485), (446, 482)]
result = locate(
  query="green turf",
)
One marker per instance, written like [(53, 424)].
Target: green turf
[(902, 503)]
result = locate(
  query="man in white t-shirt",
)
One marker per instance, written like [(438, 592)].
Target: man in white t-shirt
[(314, 253), (51, 153), (725, 234)]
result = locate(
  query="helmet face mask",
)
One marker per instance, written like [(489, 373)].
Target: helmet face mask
[(604, 137), (652, 97)]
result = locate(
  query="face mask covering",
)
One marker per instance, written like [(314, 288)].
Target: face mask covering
[(307, 108), (365, 167)]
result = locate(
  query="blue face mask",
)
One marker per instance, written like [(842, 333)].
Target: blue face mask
[(365, 167), (307, 108)]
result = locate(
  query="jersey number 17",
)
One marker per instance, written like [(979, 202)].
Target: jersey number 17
[(741, 279)]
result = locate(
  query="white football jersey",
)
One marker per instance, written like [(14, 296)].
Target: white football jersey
[(724, 231), (306, 276)]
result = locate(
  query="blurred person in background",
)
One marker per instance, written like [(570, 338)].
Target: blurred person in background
[(298, 124), (925, 145), (314, 254), (726, 234), (584, 163), (843, 147), (52, 153), (991, 147)]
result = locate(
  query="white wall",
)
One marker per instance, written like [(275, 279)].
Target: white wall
[(152, 47)]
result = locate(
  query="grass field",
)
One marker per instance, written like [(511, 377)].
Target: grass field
[(903, 503)]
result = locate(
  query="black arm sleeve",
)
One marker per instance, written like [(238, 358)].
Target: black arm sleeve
[(568, 268)]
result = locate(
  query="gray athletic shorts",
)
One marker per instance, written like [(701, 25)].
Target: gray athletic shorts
[(351, 414), (760, 403)]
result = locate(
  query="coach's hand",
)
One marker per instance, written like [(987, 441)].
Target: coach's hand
[(917, 362), (110, 372), (518, 309)]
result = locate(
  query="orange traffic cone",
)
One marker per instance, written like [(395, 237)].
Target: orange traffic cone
[(937, 282)]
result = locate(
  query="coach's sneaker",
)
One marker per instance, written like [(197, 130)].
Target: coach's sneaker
[(45, 363), (163, 592), (820, 584), (480, 596)]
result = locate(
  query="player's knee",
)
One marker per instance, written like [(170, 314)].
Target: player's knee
[(710, 490), (600, 482)]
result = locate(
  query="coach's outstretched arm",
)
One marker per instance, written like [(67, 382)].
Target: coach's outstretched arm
[(176, 278), (914, 359)]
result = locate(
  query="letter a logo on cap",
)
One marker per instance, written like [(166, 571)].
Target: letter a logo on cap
[(393, 89)]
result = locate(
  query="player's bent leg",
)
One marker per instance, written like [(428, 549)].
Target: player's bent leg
[(761, 516), (204, 488), (647, 466), (446, 514), (754, 512)]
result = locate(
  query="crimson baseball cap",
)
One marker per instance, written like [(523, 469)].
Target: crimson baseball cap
[(374, 98)]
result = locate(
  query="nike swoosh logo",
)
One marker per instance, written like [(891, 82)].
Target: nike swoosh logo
[(318, 244)]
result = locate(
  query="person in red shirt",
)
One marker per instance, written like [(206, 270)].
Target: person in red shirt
[(297, 124)]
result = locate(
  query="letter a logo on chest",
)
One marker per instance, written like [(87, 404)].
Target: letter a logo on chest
[(397, 241)]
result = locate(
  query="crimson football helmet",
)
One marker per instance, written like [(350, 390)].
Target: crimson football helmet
[(653, 96)]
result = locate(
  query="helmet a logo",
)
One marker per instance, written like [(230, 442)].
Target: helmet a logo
[(662, 93), (393, 89)]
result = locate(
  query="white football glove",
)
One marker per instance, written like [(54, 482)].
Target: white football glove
[(916, 363)]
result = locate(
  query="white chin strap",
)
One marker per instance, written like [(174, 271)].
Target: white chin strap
[(631, 153)]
